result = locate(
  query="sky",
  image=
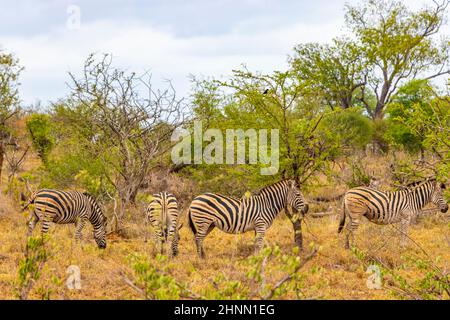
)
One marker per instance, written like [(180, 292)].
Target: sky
[(172, 39)]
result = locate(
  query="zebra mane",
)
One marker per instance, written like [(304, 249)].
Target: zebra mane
[(281, 182), (87, 194), (94, 202), (416, 184)]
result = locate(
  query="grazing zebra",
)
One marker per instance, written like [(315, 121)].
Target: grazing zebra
[(162, 213), (256, 212), (62, 207), (389, 207)]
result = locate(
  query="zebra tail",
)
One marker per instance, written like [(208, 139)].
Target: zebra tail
[(191, 223), (342, 221)]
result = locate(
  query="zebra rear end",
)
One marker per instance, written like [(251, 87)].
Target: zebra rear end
[(162, 213)]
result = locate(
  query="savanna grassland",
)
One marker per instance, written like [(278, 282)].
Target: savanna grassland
[(334, 273), (371, 107)]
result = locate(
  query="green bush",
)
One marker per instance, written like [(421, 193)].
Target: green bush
[(39, 127), (349, 126)]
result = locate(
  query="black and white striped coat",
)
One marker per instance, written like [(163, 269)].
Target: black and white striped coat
[(389, 207), (63, 207), (162, 214), (232, 215)]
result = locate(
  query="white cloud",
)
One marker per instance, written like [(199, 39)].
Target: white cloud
[(138, 47), (217, 41)]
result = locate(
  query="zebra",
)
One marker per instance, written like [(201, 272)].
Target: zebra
[(389, 207), (63, 207), (255, 212), (162, 213)]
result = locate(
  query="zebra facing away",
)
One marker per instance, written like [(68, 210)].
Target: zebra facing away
[(162, 213), (389, 207), (256, 212), (63, 207)]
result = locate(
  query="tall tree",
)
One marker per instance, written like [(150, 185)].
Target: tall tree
[(337, 70), (125, 123), (409, 97), (399, 45), (9, 99), (277, 101)]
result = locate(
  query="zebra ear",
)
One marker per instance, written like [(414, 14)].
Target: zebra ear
[(293, 183)]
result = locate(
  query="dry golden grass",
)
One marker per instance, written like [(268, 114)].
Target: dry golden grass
[(333, 274)]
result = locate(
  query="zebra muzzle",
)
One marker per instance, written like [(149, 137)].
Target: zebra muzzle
[(305, 208)]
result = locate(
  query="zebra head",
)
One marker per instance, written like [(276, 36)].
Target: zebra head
[(437, 197), (98, 220), (100, 233), (295, 198)]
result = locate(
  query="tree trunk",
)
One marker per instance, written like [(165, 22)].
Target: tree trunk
[(298, 237), (2, 156), (379, 111), (297, 224)]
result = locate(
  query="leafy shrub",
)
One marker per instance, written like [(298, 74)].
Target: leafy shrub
[(40, 129)]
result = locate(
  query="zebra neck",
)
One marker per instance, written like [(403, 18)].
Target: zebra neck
[(419, 197), (96, 216), (273, 202)]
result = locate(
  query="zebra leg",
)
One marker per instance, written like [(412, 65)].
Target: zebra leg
[(259, 241), (159, 241), (79, 225), (172, 239), (45, 226), (404, 232), (199, 237), (174, 243), (159, 237), (32, 224), (350, 232), (199, 243)]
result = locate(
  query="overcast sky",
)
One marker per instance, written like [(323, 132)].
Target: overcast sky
[(171, 38)]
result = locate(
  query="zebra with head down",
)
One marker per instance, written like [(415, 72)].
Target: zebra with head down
[(63, 207)]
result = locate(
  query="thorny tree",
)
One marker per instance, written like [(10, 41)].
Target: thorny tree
[(130, 123), (280, 101)]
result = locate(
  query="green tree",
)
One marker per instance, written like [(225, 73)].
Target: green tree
[(338, 70), (433, 124), (415, 94), (281, 101), (40, 130), (399, 45), (9, 99)]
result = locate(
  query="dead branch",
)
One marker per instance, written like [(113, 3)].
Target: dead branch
[(289, 276), (322, 214), (327, 199), (185, 292)]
